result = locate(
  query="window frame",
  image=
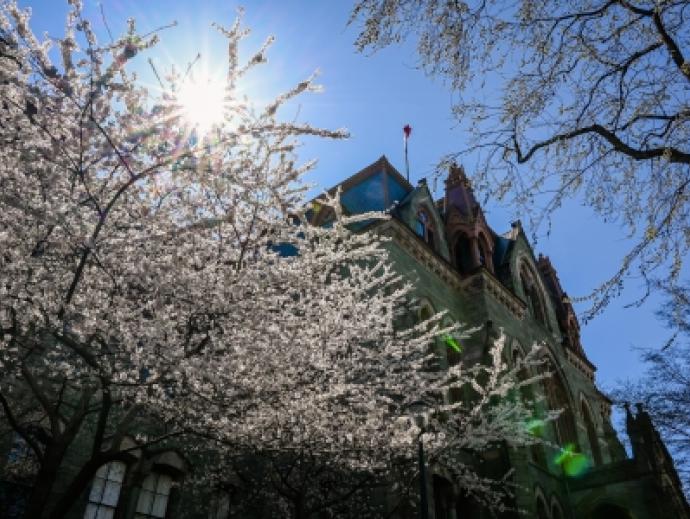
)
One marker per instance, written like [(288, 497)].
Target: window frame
[(156, 494), (95, 506), (558, 397), (425, 222), (591, 428), (527, 396), (462, 253), (534, 295)]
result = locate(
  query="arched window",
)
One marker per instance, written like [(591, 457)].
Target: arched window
[(425, 312), (556, 510), (557, 398), (484, 252), (153, 496), (462, 254), (527, 396), (591, 434), (535, 301), (450, 345), (424, 227), (105, 491)]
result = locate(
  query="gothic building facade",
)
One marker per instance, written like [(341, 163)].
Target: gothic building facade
[(458, 263)]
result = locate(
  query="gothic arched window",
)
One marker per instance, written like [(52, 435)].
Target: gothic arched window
[(105, 490), (535, 301), (557, 398), (591, 434), (424, 227), (462, 254), (484, 250), (527, 397), (153, 496), (426, 311)]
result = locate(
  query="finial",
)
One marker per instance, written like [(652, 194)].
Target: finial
[(456, 174)]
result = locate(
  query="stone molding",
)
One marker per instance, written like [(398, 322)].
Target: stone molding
[(481, 279), (582, 366)]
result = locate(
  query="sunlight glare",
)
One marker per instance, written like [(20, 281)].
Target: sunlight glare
[(202, 103)]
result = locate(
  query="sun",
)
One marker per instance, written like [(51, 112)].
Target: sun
[(202, 103)]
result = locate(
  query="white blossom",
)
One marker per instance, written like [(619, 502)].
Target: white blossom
[(143, 280)]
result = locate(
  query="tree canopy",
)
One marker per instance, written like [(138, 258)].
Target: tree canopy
[(159, 282), (585, 100)]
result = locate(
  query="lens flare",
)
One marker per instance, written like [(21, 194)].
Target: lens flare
[(451, 342), (535, 427), (574, 463)]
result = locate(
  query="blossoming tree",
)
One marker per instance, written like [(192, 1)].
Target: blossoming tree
[(583, 100), (145, 284)]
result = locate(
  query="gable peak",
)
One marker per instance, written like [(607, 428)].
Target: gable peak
[(457, 176)]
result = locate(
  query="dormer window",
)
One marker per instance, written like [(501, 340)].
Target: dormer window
[(422, 224), (423, 228)]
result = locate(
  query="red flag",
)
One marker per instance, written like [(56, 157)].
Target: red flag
[(407, 130)]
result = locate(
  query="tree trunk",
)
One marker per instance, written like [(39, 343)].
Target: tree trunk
[(75, 489), (44, 481)]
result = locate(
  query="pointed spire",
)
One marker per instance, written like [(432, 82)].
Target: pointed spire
[(456, 175), (459, 193)]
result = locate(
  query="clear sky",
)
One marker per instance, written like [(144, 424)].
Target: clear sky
[(374, 97)]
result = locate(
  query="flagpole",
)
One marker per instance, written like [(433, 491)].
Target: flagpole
[(407, 163), (407, 129)]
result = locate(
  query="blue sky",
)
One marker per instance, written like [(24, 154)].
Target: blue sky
[(374, 97)]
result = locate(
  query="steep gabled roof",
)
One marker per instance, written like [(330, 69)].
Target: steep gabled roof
[(380, 182), (375, 188)]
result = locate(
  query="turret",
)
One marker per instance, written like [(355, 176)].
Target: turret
[(459, 193), (470, 238), (565, 313)]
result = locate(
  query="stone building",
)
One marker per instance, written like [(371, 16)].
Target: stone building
[(458, 263)]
